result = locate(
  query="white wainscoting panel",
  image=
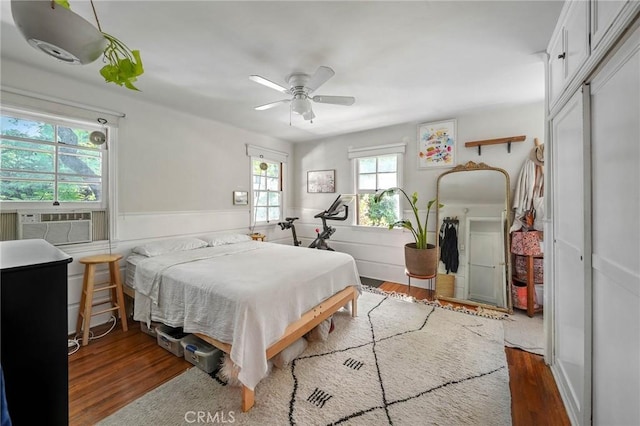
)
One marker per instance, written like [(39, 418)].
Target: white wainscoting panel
[(135, 226)]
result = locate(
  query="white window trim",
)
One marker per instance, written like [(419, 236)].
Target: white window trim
[(262, 223), (274, 156), (35, 107), (267, 154), (355, 153), (63, 121), (375, 151)]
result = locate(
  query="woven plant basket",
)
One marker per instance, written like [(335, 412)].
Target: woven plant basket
[(445, 285), (422, 262)]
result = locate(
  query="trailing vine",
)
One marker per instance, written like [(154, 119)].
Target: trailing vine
[(123, 65)]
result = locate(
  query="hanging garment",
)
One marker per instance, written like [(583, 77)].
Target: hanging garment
[(523, 197), (449, 247), (538, 200)]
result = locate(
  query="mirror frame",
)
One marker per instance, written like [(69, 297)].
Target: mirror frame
[(471, 166)]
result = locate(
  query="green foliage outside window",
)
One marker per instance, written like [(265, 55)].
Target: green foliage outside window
[(28, 155), (382, 214)]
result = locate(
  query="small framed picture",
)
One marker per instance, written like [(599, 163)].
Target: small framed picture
[(437, 144), (240, 198), (321, 181)]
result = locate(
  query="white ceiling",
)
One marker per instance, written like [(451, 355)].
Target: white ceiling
[(403, 61)]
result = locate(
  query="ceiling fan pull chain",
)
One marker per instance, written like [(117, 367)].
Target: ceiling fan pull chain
[(96, 15)]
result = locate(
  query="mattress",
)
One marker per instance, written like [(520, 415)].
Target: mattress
[(244, 294), (130, 268)]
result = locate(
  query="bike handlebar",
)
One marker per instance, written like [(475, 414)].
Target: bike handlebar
[(333, 216)]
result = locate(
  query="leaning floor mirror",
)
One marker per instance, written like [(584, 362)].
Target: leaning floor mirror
[(473, 238)]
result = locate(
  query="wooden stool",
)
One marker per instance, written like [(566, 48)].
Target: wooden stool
[(89, 289), (258, 236)]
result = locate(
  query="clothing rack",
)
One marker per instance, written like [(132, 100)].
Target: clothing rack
[(451, 220)]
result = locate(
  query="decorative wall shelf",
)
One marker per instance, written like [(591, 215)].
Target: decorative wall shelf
[(508, 141)]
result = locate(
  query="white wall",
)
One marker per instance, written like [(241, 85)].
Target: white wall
[(379, 252), (176, 173)]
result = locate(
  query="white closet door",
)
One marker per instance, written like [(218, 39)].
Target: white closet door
[(569, 270), (615, 147)]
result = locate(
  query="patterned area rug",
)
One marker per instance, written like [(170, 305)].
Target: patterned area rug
[(398, 362)]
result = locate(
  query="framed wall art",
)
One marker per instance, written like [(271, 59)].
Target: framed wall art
[(321, 181), (240, 198), (437, 144)]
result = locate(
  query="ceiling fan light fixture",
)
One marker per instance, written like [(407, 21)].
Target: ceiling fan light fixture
[(301, 105), (309, 116), (300, 86), (58, 32)]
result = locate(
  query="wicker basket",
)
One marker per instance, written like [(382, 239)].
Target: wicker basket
[(445, 285)]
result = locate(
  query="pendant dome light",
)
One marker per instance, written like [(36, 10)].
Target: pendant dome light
[(58, 31)]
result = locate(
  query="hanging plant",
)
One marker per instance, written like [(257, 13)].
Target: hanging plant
[(123, 65)]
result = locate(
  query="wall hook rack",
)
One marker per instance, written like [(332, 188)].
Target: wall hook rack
[(508, 141)]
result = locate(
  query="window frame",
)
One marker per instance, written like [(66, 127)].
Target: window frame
[(399, 160), (357, 153), (255, 192), (107, 161)]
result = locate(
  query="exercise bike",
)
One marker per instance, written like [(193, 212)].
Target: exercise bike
[(338, 206)]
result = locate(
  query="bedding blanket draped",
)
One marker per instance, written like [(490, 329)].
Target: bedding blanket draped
[(244, 294)]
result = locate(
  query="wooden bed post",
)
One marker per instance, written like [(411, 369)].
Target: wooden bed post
[(247, 398), (295, 330)]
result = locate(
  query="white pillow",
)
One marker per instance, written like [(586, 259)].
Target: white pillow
[(220, 240), (157, 248)]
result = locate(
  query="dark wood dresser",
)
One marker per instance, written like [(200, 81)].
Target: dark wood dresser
[(33, 323)]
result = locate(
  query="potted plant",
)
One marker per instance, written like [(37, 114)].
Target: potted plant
[(65, 35), (421, 258), (123, 65)]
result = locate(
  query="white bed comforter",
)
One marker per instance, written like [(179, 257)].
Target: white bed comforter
[(245, 294)]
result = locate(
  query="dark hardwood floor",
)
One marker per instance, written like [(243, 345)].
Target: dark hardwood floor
[(112, 371)]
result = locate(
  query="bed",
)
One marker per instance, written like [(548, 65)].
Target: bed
[(249, 298)]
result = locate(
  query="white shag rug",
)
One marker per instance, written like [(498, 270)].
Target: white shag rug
[(398, 363)]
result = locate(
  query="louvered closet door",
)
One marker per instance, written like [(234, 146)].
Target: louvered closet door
[(569, 270), (615, 148)]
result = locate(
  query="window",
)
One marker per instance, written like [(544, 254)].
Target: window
[(51, 161), (375, 168), (267, 190), (373, 174)]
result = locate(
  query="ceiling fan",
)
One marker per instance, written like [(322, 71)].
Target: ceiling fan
[(301, 85)]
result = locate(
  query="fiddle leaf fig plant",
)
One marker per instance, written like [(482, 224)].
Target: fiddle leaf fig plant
[(419, 233), (123, 65)]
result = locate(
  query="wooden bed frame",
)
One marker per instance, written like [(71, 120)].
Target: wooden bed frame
[(295, 330)]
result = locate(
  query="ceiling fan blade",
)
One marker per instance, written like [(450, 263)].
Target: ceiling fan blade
[(335, 100), (271, 105), (268, 83), (320, 77), (309, 115)]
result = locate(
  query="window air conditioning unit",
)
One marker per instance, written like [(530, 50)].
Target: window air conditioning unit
[(56, 227)]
